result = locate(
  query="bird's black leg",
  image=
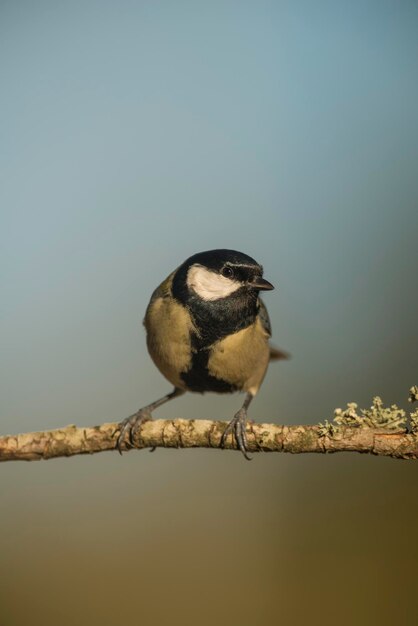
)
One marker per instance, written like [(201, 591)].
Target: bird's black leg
[(237, 426), (130, 425)]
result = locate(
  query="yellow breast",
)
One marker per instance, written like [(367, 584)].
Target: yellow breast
[(242, 358)]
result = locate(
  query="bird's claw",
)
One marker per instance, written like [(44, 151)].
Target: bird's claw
[(237, 426), (129, 427)]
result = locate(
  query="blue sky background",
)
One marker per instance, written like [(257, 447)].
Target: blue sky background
[(132, 135)]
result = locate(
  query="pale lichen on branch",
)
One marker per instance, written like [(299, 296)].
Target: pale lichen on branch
[(413, 417), (377, 416)]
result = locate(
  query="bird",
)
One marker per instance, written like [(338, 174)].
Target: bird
[(208, 330)]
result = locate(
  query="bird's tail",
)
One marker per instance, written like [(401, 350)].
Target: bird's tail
[(276, 354)]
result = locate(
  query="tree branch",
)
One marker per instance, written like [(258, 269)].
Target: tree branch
[(378, 430), (181, 433)]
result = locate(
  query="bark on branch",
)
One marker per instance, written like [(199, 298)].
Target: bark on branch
[(181, 433)]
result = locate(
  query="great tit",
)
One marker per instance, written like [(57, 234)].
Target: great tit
[(208, 330)]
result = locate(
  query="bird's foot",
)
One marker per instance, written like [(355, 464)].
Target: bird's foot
[(237, 426), (129, 427)]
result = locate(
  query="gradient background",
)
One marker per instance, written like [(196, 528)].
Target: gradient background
[(134, 134)]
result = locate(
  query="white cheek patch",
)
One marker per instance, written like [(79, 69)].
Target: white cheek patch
[(210, 285)]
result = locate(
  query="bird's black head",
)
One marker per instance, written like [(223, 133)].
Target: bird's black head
[(220, 289), (218, 275)]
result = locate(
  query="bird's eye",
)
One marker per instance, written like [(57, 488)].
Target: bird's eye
[(227, 272)]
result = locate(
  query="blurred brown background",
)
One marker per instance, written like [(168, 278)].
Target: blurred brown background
[(133, 135)]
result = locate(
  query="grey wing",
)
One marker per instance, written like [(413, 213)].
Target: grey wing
[(275, 353), (162, 291), (264, 317)]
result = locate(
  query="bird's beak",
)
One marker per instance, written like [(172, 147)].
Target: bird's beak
[(262, 284)]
